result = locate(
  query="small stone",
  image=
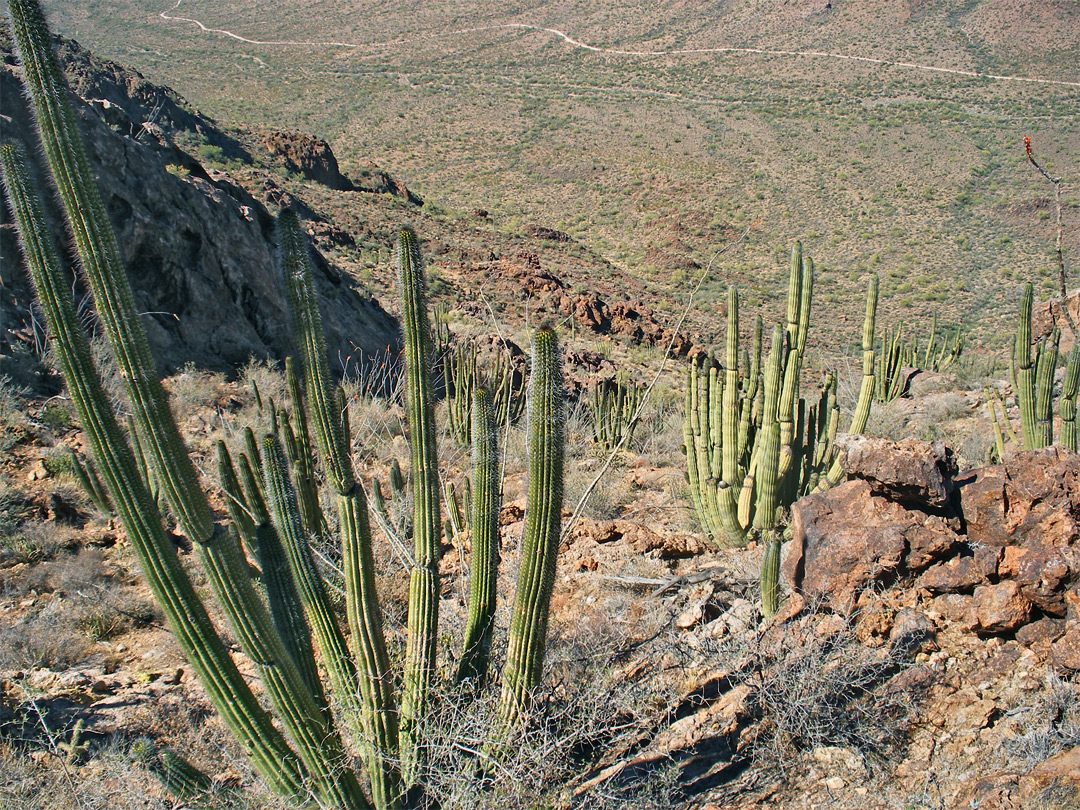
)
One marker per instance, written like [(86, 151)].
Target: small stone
[(1065, 652), (1000, 608), (835, 784), (912, 631)]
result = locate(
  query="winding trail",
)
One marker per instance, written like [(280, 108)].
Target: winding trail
[(165, 15)]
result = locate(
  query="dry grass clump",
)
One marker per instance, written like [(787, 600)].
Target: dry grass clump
[(1053, 722), (818, 689)]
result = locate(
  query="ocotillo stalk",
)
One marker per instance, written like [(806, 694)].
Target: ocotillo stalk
[(485, 542), (423, 621), (543, 519), (378, 706), (187, 617)]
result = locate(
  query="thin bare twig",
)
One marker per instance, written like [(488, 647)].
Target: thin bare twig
[(1056, 181)]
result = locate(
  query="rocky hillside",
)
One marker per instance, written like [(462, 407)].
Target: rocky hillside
[(199, 249)]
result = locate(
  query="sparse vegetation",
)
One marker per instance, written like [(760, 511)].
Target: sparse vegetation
[(651, 674)]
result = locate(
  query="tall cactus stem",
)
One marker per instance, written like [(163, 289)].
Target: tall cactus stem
[(423, 616), (187, 616), (543, 518), (485, 542)]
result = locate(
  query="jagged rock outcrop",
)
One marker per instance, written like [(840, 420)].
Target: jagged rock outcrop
[(199, 251), (523, 277), (997, 548), (313, 158)]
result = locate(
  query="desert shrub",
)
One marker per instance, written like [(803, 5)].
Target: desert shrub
[(42, 639), (826, 689), (1052, 722)]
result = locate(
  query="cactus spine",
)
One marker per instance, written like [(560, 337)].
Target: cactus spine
[(543, 519)]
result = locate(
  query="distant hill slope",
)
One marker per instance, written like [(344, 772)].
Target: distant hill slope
[(654, 161)]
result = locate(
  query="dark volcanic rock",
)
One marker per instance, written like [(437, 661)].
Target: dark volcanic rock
[(308, 155), (199, 252), (1032, 499), (909, 470)]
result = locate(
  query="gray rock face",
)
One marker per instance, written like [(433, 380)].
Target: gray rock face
[(200, 253)]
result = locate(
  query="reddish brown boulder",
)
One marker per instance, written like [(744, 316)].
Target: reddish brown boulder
[(845, 538), (1045, 574), (1034, 498), (1043, 632), (999, 608), (1060, 774), (910, 470), (958, 575)]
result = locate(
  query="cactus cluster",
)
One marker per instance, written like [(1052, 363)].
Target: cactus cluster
[(1032, 371), (753, 444), (259, 564), (894, 353), (461, 377), (613, 408)]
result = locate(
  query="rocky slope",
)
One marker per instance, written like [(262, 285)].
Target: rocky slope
[(199, 250)]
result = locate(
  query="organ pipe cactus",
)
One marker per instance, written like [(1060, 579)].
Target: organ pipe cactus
[(1034, 377), (484, 526), (1067, 404), (896, 353), (543, 518), (1032, 368), (424, 579), (613, 406), (730, 410), (269, 494), (461, 376)]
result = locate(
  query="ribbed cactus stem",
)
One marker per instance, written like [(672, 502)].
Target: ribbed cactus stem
[(1024, 369), (1067, 404), (99, 256), (91, 483), (423, 620), (187, 617), (317, 606), (869, 380), (376, 705), (543, 519), (484, 567), (1044, 389), (728, 423)]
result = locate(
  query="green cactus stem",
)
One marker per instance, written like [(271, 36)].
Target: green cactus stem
[(423, 619), (1067, 403), (543, 519), (187, 617), (376, 704), (484, 523)]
